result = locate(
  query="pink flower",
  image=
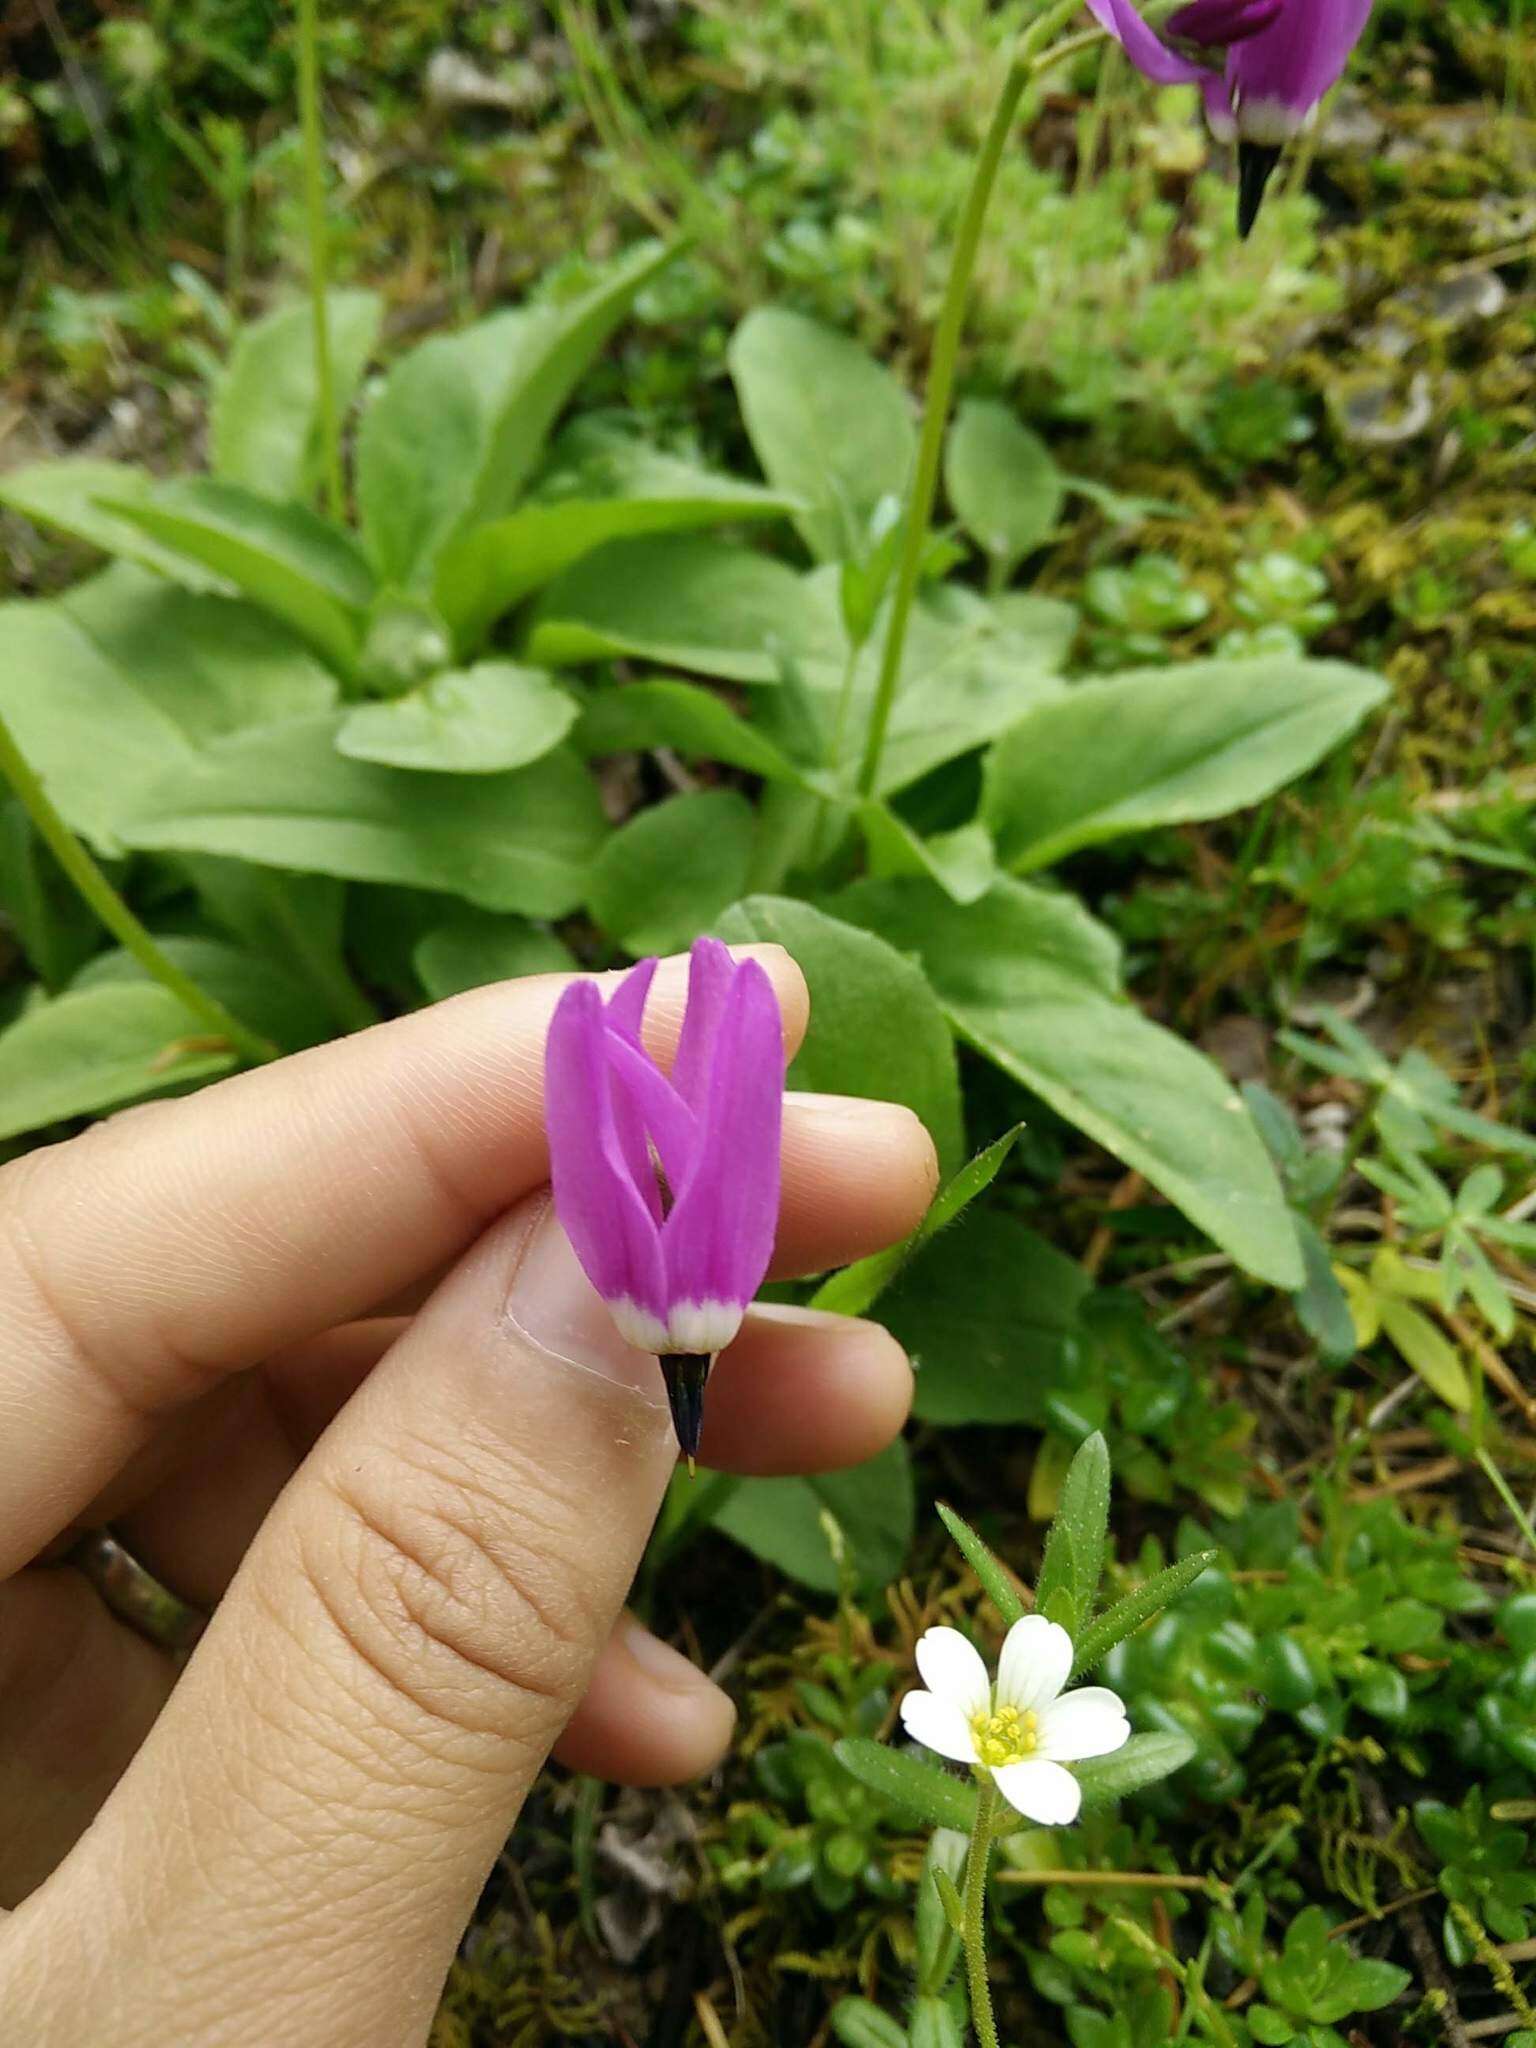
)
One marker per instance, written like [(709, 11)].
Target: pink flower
[(1263, 65), (668, 1188)]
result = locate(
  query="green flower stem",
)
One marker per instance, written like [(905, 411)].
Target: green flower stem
[(114, 912), (314, 207), (974, 1900), (941, 376)]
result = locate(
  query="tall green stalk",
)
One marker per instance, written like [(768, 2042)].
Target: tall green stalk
[(941, 379), (114, 913), (314, 210), (974, 1926)]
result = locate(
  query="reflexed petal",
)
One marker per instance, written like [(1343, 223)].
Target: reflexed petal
[(953, 1669), (1041, 1791), (1036, 1663), (719, 1237), (1151, 56), (603, 1213), (1279, 76), (626, 1006), (938, 1724), (711, 971), (1220, 22), (1219, 111), (1089, 1722)]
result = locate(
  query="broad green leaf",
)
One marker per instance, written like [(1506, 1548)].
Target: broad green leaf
[(92, 1049), (855, 1290), (962, 862), (464, 721), (1322, 1307), (283, 796), (1002, 480), (988, 1313), (459, 426), (995, 1582), (1031, 981), (53, 926), (1431, 1354), (684, 599), (294, 920), (264, 422), (920, 1791), (672, 869), (1145, 1760), (285, 558), (609, 489), (474, 948), (260, 992), (1128, 1614), (1074, 1545), (691, 720), (69, 496), (831, 426), (1162, 746), (859, 2024), (801, 1525), (876, 1029)]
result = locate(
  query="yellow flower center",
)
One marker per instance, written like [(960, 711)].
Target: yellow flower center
[(1005, 1736)]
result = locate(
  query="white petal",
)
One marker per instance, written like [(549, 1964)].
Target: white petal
[(953, 1669), (939, 1725), (1036, 1663), (1090, 1722), (1041, 1791)]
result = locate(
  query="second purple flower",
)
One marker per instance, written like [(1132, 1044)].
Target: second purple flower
[(668, 1187)]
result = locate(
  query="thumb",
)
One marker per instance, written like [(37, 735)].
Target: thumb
[(302, 1839)]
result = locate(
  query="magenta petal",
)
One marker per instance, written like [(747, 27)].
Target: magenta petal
[(1222, 22), (1279, 76), (603, 1212), (668, 1119), (1146, 50), (711, 971), (626, 1006), (1218, 106), (719, 1237)]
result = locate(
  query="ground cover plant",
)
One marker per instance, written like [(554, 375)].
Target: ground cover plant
[(450, 654)]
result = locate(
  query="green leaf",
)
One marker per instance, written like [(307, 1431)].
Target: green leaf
[(1074, 1546), (1002, 480), (463, 721), (69, 497), (1145, 1760), (604, 488), (855, 1290), (1137, 1606), (934, 2025), (260, 992), (663, 877), (129, 677), (858, 2024), (55, 928), (293, 920), (692, 721), (264, 422), (474, 948), (684, 599), (798, 1525), (962, 862), (876, 1029), (288, 560), (1162, 746), (283, 796), (831, 426), (1031, 980), (462, 419), (989, 1315), (1321, 1305), (918, 1790), (95, 1048), (995, 1581), (1430, 1353)]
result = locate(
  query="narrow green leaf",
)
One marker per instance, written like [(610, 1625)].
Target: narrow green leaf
[(1074, 1547), (859, 2024), (995, 1581), (264, 421), (1002, 480), (1145, 1760), (1128, 1614), (920, 1790)]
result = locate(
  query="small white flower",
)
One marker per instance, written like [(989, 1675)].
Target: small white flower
[(1026, 1730)]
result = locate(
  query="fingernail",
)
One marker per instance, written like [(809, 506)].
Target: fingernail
[(663, 1665), (846, 1112), (555, 1308), (815, 1322)]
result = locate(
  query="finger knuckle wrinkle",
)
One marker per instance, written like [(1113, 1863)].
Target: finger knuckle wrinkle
[(454, 1603)]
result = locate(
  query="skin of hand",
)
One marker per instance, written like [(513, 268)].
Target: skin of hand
[(314, 1345)]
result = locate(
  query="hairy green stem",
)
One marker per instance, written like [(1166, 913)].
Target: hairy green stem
[(974, 1900), (113, 912), (941, 379), (314, 208)]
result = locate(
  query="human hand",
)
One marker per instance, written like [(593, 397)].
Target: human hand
[(312, 1343)]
